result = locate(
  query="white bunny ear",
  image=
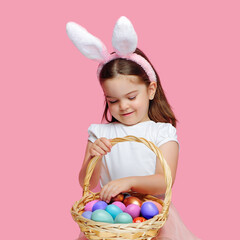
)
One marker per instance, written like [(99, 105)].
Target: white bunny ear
[(90, 46), (124, 39)]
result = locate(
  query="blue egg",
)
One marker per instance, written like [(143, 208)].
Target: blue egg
[(123, 218), (99, 205), (113, 210), (149, 210), (102, 216), (87, 214)]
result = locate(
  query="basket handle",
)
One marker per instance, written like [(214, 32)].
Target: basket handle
[(167, 172)]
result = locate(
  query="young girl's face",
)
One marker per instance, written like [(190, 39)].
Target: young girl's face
[(128, 98)]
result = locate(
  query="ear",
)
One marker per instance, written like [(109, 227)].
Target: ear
[(124, 39), (90, 46), (152, 90)]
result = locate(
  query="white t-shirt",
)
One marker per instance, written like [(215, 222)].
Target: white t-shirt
[(131, 158)]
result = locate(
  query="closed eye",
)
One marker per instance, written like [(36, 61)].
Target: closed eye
[(113, 101), (131, 98)]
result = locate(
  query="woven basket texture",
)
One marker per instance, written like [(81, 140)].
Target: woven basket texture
[(105, 231)]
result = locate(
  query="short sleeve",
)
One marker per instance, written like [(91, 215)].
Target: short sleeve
[(166, 133), (93, 132)]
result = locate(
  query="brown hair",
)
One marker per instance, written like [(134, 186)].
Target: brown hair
[(159, 108)]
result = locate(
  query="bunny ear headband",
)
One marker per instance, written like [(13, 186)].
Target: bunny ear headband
[(124, 42)]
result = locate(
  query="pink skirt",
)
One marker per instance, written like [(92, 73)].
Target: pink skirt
[(173, 229)]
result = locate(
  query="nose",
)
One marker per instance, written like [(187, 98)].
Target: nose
[(123, 105)]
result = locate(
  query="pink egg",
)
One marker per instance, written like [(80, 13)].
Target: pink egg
[(120, 205), (133, 210), (89, 205), (158, 205)]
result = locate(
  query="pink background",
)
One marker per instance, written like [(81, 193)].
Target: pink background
[(49, 95)]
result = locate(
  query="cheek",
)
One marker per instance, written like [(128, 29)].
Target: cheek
[(141, 102), (112, 108), (136, 104)]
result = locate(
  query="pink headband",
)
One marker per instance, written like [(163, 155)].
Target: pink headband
[(135, 58), (124, 42)]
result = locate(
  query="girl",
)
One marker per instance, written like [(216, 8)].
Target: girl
[(137, 106)]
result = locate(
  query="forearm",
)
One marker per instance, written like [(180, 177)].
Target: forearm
[(95, 175), (151, 184)]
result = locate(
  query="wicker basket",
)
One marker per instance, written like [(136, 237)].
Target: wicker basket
[(106, 231)]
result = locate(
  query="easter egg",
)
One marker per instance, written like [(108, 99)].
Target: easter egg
[(99, 205), (149, 210), (119, 198), (87, 214), (100, 215), (158, 205), (133, 210), (126, 195), (89, 205), (120, 205), (113, 210), (123, 218), (132, 200), (139, 219)]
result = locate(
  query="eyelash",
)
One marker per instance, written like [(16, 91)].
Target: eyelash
[(112, 102), (132, 98)]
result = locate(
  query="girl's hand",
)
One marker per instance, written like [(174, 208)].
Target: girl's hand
[(100, 147), (115, 187)]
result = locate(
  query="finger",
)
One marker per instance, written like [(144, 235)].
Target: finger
[(106, 195), (107, 143), (113, 194), (99, 144), (102, 193), (99, 150), (94, 153), (106, 191)]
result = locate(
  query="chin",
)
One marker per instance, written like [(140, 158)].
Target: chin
[(129, 123)]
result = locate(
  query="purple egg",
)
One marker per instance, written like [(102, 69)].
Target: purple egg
[(89, 205), (120, 205), (133, 210), (99, 205), (87, 214), (149, 210)]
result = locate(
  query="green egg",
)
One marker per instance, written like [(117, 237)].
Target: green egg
[(123, 218), (102, 216)]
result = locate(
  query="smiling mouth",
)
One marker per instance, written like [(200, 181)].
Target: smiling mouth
[(127, 114)]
